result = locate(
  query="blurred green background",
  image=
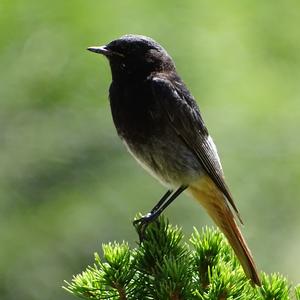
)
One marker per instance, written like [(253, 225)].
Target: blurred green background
[(67, 184)]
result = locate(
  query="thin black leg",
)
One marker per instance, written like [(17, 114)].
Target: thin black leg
[(142, 223), (156, 207), (161, 201)]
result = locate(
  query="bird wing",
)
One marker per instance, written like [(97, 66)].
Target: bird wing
[(184, 116)]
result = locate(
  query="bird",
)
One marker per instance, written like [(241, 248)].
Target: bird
[(160, 123)]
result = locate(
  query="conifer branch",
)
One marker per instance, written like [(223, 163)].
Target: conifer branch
[(164, 267)]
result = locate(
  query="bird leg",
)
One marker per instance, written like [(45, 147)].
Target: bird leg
[(142, 223)]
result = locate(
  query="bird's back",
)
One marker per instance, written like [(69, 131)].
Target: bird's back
[(144, 128)]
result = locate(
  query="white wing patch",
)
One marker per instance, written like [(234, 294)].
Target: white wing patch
[(214, 148)]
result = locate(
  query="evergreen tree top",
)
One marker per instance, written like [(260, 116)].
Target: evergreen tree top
[(164, 267)]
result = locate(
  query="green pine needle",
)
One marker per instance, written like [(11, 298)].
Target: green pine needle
[(297, 292), (274, 287), (163, 267)]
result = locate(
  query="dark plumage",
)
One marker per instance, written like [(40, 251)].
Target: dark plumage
[(160, 123)]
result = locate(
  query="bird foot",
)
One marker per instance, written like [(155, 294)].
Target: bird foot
[(142, 223)]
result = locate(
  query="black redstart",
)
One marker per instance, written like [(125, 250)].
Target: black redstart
[(160, 123)]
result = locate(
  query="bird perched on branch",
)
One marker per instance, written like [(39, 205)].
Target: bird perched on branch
[(160, 123)]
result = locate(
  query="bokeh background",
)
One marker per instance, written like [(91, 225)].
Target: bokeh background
[(67, 184)]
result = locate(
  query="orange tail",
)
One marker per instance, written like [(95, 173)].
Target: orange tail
[(206, 192)]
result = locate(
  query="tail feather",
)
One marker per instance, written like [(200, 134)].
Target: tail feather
[(206, 192)]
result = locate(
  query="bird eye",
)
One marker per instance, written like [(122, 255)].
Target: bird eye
[(123, 66)]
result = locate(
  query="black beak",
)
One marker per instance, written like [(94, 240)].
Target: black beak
[(104, 50)]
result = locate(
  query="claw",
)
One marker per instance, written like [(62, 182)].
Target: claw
[(141, 225)]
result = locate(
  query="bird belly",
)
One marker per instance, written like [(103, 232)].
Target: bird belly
[(168, 160)]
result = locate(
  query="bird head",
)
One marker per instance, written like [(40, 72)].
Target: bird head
[(135, 56)]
